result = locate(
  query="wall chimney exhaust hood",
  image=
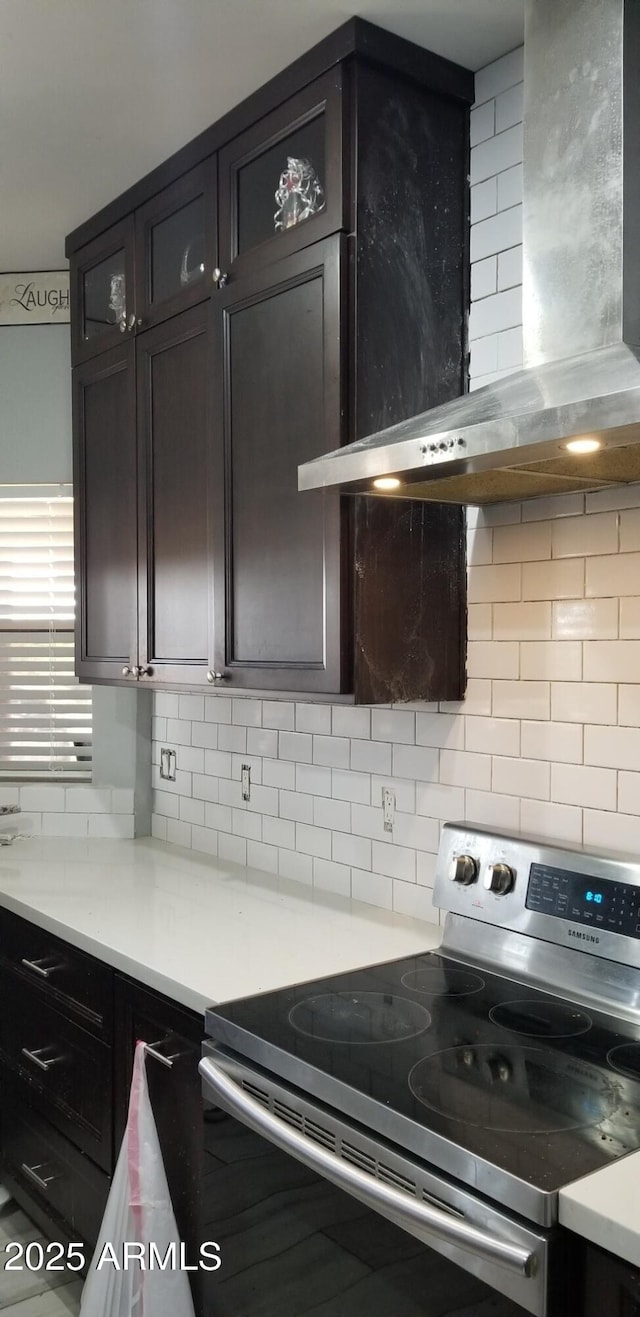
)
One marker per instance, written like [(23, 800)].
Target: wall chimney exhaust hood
[(571, 418)]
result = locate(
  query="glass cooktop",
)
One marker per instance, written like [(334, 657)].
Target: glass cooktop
[(448, 1060)]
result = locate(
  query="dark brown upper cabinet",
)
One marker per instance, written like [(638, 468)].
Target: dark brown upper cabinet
[(105, 484), (280, 558), (318, 295), (102, 292), (282, 183), (176, 246), (180, 499)]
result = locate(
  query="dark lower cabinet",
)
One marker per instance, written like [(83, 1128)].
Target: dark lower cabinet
[(611, 1285)]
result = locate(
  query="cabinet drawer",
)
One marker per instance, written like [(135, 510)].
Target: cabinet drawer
[(51, 1169), (64, 1071), (63, 975), (265, 213)]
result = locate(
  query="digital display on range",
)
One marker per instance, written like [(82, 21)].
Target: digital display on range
[(598, 903)]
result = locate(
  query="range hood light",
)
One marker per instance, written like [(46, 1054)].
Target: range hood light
[(386, 482), (583, 445)]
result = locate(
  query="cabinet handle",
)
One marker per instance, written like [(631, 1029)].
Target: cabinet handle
[(131, 322), (139, 322), (216, 676), (220, 278), (151, 1050), (143, 672), (37, 1059), (42, 1181), (38, 966), (127, 672)]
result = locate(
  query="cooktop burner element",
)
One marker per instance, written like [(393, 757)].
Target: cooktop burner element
[(540, 1018), (442, 980), (626, 1059), (524, 1090), (359, 1017)]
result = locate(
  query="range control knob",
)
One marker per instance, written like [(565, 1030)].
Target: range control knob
[(463, 869), (499, 878)]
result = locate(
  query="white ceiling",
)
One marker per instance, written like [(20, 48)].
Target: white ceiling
[(95, 93)]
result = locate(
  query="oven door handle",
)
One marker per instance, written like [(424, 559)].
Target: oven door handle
[(374, 1193)]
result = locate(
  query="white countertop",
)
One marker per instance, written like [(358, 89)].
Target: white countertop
[(603, 1207), (198, 929)]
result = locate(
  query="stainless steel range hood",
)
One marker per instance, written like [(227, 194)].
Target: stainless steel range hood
[(581, 292)]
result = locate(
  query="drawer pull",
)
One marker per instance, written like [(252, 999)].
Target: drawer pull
[(39, 966), (151, 1050), (31, 1172), (37, 1059)]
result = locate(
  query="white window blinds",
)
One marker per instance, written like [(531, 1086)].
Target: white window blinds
[(45, 715)]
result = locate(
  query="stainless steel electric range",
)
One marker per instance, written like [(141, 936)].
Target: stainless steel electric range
[(441, 1101)]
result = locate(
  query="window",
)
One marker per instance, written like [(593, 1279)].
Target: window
[(45, 715)]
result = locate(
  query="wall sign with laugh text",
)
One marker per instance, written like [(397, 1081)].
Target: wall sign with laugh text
[(40, 297)]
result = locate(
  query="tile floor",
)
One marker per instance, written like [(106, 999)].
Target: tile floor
[(32, 1294)]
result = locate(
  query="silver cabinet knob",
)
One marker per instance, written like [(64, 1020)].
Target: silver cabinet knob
[(131, 322), (143, 672), (463, 869), (499, 878), (216, 676), (219, 277), (128, 672), (139, 322)]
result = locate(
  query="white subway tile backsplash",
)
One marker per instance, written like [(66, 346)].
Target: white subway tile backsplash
[(521, 699), (279, 832), (629, 706), (279, 773), (484, 200), (352, 850), (404, 790), (440, 729), (545, 818), (484, 282), (295, 866), (575, 784), (612, 747), (613, 496), (479, 621), (244, 824), (313, 841), (499, 75), (461, 768), (530, 621), (204, 734), (178, 731), (278, 714), (510, 348), (261, 856), (509, 107), (313, 781), (191, 708), (482, 122), (334, 814), (371, 756), (509, 187), (552, 741), (332, 751), (296, 745), (584, 702), (232, 848), (629, 616), (190, 758), (191, 811), (233, 738), (490, 658), (313, 718), (393, 725), (294, 805), (561, 579), (576, 537), (493, 735), (619, 832), (414, 830), (556, 505), (521, 777), (217, 709), (629, 792), (491, 314), (205, 787), (331, 877), (553, 660), (492, 810), (351, 722), (351, 786), (394, 861), (218, 817), (629, 530), (178, 833), (414, 901), (612, 660), (586, 619), (373, 888), (496, 154), (495, 584), (248, 712), (263, 742), (477, 699), (415, 762), (65, 825), (525, 542), (496, 233), (609, 576)]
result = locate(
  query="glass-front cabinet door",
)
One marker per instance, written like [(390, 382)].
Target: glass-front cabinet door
[(102, 292), (281, 182), (176, 234)]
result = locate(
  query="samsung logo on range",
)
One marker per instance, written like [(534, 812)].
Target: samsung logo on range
[(583, 937)]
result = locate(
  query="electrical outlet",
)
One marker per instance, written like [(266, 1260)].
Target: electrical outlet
[(168, 764), (388, 808), (245, 779)]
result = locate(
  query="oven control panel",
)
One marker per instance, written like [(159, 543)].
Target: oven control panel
[(596, 902), (551, 892)]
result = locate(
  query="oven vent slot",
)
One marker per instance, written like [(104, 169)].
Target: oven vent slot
[(399, 1181), (319, 1134), (255, 1092), (358, 1158), (287, 1114)]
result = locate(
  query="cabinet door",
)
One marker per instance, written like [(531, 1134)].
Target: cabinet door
[(105, 514), (176, 246), (102, 292), (283, 181), (176, 512), (174, 1089), (279, 612)]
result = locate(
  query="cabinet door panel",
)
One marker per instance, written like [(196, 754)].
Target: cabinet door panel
[(267, 209), (105, 485), (102, 295), (281, 343), (174, 417), (176, 235)]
